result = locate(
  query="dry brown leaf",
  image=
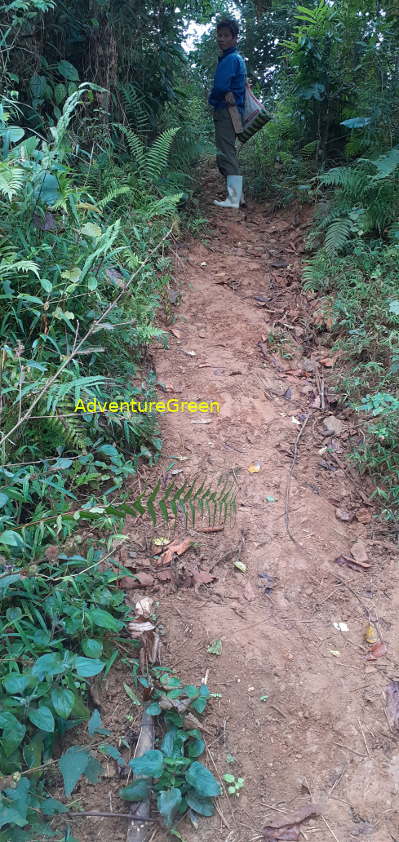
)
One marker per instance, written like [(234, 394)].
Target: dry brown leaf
[(138, 628), (363, 515), (254, 468), (164, 575), (377, 651), (329, 362), (52, 552), (177, 546), (144, 607), (290, 832), (203, 577), (351, 562), (175, 332)]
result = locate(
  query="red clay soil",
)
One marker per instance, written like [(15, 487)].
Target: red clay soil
[(302, 707)]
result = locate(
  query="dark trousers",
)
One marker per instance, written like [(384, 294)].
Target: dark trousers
[(225, 139)]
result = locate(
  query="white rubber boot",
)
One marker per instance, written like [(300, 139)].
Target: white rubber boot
[(234, 192)]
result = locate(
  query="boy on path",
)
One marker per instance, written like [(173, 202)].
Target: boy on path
[(230, 79)]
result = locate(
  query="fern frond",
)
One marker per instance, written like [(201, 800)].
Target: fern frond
[(136, 146), (11, 180), (18, 266), (113, 194), (337, 236), (162, 207), (157, 156)]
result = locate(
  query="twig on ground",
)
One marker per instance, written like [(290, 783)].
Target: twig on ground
[(330, 829), (364, 737), (108, 815), (290, 473)]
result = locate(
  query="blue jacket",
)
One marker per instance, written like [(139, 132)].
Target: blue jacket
[(230, 76)]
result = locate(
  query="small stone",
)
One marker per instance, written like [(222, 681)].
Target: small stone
[(342, 514), (333, 426), (359, 551)]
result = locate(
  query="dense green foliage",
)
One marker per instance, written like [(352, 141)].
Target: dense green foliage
[(102, 120)]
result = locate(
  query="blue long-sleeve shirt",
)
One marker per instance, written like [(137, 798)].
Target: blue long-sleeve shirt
[(230, 76)]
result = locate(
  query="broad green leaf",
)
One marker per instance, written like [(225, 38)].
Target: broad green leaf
[(92, 283), (202, 780), (4, 498), (60, 92), (203, 806), (111, 751), (394, 307), (14, 683), (168, 802), (51, 806), (42, 718), (13, 732), (92, 648), (73, 764), (95, 725), (90, 229), (195, 748), (11, 816), (356, 122), (153, 709), (105, 620), (63, 701), (150, 764), (47, 188), (93, 770), (11, 539), (71, 274), (87, 667), (48, 665), (137, 791), (67, 71)]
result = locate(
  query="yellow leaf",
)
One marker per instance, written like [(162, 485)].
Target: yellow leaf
[(371, 634), (240, 566), (161, 542), (254, 468), (88, 206)]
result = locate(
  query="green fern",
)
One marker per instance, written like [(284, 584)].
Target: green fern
[(158, 155), (134, 105), (113, 194), (136, 146), (337, 236), (12, 180)]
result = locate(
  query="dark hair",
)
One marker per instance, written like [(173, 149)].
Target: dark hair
[(228, 23)]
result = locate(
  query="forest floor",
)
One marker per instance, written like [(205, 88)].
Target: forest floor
[(303, 706)]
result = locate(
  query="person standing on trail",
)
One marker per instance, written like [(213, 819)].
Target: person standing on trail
[(230, 79)]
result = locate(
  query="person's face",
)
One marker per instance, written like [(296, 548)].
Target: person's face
[(225, 38)]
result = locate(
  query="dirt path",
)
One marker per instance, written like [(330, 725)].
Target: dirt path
[(302, 710)]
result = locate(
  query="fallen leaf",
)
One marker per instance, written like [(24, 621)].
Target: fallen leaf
[(290, 832), (161, 542), (350, 562), (203, 577), (178, 547), (342, 514), (295, 420), (240, 566), (175, 332), (377, 651), (143, 607), (363, 515), (164, 575), (371, 634), (139, 628), (215, 648), (254, 468), (329, 362), (288, 394), (359, 551), (211, 529), (341, 627), (392, 697)]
